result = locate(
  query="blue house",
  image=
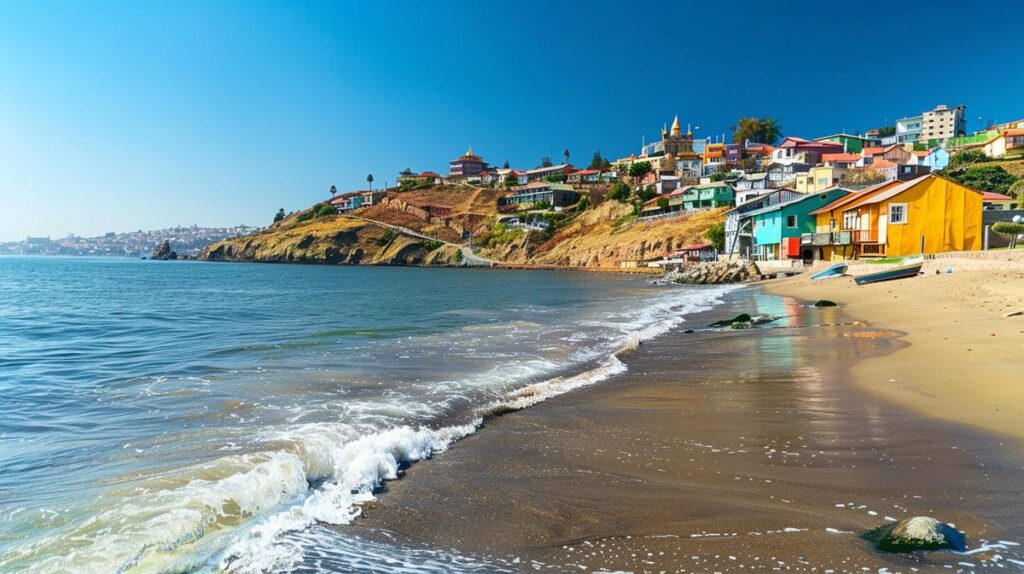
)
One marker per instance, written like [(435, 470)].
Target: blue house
[(777, 229), (937, 158)]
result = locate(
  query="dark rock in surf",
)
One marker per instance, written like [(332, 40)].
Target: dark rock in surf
[(825, 303), (917, 533)]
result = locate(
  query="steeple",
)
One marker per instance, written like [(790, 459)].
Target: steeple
[(675, 127)]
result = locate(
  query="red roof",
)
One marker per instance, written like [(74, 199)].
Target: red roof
[(588, 171), (882, 164), (993, 196), (1014, 132), (873, 150), (429, 174), (839, 157)]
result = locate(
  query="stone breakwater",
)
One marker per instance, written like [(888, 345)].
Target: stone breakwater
[(715, 273)]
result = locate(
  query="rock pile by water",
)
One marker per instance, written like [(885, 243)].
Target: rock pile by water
[(715, 273), (164, 253), (917, 533)]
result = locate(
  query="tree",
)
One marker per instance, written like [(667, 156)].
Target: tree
[(565, 154), (645, 193), (1009, 230), (279, 216), (369, 180), (663, 203), (983, 177), (619, 192), (511, 180), (886, 131), (506, 165), (639, 169), (766, 130), (966, 158), (546, 162), (556, 178), (598, 162), (716, 235)]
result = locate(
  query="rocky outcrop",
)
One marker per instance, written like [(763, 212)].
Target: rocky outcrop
[(338, 240), (715, 273), (917, 533), (164, 252)]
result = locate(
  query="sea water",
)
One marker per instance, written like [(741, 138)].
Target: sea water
[(188, 416)]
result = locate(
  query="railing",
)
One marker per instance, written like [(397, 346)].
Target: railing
[(826, 238), (865, 236)]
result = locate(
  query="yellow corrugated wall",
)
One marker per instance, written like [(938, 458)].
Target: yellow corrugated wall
[(947, 214)]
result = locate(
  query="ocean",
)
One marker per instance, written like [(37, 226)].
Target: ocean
[(199, 417)]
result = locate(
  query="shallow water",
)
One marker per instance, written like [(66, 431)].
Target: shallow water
[(183, 416)]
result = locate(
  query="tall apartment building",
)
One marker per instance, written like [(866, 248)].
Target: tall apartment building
[(943, 123)]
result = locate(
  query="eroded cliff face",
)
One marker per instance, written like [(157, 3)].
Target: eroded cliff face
[(335, 239), (600, 237)]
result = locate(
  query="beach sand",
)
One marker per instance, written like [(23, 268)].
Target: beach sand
[(965, 361), (716, 452)]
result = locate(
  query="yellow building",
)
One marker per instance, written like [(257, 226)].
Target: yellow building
[(929, 214), (817, 179)]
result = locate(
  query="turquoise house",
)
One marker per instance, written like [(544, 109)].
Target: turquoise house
[(708, 196), (777, 229)]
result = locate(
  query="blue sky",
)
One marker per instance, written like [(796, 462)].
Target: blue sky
[(138, 115)]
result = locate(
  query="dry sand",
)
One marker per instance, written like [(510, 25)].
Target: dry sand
[(965, 361), (726, 451)]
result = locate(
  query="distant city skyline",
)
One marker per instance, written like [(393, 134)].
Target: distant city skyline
[(123, 116)]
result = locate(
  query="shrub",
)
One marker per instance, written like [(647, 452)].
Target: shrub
[(716, 235), (556, 178), (432, 244), (984, 178), (967, 157), (619, 192), (541, 205), (324, 210), (388, 236), (584, 203)]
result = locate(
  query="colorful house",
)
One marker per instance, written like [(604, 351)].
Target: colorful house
[(777, 229), (897, 154), (929, 214), (708, 196), (992, 201), (1009, 142), (738, 239), (556, 195), (467, 165), (851, 143), (817, 179), (798, 150)]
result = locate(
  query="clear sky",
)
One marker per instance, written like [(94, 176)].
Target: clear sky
[(138, 115)]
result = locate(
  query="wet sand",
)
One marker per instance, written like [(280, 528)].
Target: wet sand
[(716, 452), (965, 361)]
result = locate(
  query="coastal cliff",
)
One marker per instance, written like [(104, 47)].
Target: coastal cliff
[(333, 239), (602, 235)]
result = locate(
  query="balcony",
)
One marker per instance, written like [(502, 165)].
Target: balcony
[(826, 238), (865, 235)]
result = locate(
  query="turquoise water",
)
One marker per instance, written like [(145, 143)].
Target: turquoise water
[(186, 416)]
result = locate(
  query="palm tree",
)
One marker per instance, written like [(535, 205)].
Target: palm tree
[(369, 179)]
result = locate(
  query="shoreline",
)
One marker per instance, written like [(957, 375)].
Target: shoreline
[(714, 465), (964, 354)]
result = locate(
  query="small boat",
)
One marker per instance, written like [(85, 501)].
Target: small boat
[(836, 270), (897, 273)]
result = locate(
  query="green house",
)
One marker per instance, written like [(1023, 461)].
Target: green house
[(777, 229), (853, 144), (708, 196)]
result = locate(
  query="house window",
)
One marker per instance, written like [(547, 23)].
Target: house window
[(850, 220), (897, 213), (790, 221)]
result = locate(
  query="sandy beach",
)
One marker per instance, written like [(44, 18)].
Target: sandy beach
[(965, 359), (729, 452)]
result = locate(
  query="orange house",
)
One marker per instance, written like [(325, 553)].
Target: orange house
[(929, 214)]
